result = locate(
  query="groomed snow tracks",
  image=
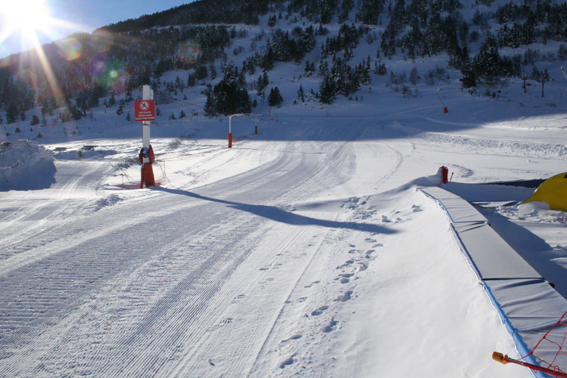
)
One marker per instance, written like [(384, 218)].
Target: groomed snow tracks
[(526, 303)]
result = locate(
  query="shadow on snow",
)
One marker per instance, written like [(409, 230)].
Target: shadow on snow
[(282, 216)]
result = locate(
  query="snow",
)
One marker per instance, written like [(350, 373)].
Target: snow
[(25, 165), (304, 250)]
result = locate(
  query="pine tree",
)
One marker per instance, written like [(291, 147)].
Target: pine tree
[(346, 7), (414, 75), (469, 76), (272, 21), (210, 106), (268, 61), (275, 98), (301, 94), (327, 91), (11, 113), (544, 78)]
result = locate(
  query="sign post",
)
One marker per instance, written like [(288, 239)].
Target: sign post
[(230, 129), (144, 111)]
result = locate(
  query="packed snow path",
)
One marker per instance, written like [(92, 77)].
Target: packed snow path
[(290, 266)]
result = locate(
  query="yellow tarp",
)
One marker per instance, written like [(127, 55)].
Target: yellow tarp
[(553, 191)]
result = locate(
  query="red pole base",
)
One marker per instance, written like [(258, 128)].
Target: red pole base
[(445, 110), (255, 129), (229, 140), (147, 176), (444, 174)]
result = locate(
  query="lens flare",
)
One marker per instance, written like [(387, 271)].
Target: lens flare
[(111, 74), (70, 48), (188, 51)]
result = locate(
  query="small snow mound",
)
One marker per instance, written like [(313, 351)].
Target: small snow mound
[(532, 208), (25, 165), (87, 152)]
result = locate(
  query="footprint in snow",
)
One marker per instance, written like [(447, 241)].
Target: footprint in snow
[(294, 337), (331, 326), (346, 264), (416, 208), (345, 277), (287, 362), (311, 284), (319, 311), (346, 296)]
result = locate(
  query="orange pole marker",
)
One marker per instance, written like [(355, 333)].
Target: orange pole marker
[(504, 359)]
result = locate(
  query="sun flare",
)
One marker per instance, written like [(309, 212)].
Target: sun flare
[(27, 16), (27, 24)]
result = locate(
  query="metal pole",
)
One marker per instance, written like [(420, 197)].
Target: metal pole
[(148, 94), (230, 129), (256, 123)]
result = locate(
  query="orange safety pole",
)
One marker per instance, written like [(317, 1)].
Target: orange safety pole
[(230, 129), (504, 359)]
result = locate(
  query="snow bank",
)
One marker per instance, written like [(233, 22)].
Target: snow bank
[(25, 165)]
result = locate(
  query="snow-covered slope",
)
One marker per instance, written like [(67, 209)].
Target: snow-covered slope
[(302, 251)]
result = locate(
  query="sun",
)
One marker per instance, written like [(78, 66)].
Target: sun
[(27, 24), (26, 16)]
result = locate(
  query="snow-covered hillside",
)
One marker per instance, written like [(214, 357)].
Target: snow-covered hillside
[(304, 250)]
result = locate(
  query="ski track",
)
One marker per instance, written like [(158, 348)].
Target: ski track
[(34, 215), (144, 307)]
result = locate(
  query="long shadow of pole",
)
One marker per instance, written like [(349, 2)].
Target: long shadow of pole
[(282, 216)]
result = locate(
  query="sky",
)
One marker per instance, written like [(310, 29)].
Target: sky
[(49, 20)]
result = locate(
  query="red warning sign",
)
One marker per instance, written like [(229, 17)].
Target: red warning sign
[(144, 110)]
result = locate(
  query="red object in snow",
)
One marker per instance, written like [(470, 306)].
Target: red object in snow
[(147, 158), (444, 174)]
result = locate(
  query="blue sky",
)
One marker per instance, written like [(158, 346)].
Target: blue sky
[(85, 15)]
